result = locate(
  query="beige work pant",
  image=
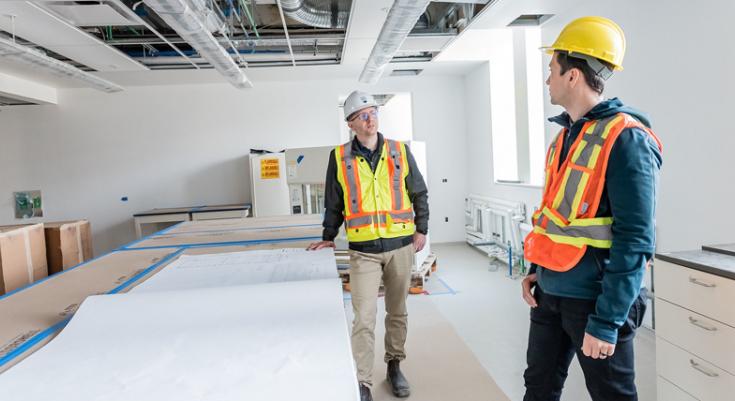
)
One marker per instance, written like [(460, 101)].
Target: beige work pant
[(366, 271)]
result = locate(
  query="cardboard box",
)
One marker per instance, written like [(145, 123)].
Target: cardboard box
[(22, 256), (68, 243)]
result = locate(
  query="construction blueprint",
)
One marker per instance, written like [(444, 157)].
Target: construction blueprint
[(242, 268), (251, 328)]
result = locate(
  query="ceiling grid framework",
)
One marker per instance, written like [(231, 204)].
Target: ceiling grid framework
[(125, 39)]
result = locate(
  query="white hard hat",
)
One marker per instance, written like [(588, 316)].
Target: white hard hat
[(357, 101)]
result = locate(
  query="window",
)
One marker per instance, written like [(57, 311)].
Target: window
[(516, 93)]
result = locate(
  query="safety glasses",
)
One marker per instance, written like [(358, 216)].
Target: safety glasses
[(365, 115)]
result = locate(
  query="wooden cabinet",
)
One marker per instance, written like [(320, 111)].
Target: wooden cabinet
[(695, 325)]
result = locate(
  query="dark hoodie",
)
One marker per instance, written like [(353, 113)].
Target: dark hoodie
[(613, 277)]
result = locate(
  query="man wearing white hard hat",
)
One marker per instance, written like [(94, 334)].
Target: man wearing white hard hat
[(374, 187)]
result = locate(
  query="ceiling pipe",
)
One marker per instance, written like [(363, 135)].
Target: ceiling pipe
[(185, 21), (318, 13), (398, 24), (34, 58)]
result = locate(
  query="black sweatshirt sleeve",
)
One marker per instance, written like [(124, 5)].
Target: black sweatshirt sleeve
[(334, 203), (418, 193)]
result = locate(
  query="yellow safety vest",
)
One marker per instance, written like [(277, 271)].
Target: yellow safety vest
[(376, 204)]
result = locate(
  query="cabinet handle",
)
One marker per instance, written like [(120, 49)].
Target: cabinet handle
[(702, 283), (699, 367), (697, 323)]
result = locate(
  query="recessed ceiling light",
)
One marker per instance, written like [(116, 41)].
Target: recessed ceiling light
[(530, 19), (406, 72)]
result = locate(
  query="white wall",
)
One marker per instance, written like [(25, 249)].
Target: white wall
[(166, 146), (678, 70), (480, 144)]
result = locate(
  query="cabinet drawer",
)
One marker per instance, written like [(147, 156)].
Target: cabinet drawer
[(704, 293), (668, 392), (702, 380), (706, 338)]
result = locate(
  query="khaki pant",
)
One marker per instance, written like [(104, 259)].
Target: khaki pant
[(366, 271)]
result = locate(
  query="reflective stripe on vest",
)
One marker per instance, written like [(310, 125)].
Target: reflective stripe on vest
[(369, 216), (566, 223), (382, 219), (350, 176), (395, 169)]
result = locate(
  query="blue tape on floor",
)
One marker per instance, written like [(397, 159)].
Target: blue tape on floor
[(228, 243), (160, 232), (146, 271), (17, 290), (33, 341), (240, 229), (167, 229), (450, 290), (180, 249), (60, 325)]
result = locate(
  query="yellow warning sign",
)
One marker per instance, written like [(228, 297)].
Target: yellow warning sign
[(270, 169)]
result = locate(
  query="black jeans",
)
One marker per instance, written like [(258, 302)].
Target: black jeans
[(556, 334)]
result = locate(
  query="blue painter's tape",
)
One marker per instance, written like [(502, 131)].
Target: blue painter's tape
[(237, 229), (160, 232), (450, 290), (86, 262), (228, 243), (60, 325), (33, 341), (167, 229), (143, 273), (17, 290)]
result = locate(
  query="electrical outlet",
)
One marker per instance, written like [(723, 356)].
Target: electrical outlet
[(28, 204)]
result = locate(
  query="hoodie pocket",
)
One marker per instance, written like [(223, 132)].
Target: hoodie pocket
[(599, 263)]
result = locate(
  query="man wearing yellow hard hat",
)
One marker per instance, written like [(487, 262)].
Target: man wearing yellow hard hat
[(593, 234)]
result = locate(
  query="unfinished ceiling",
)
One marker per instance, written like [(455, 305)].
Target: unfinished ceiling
[(130, 35)]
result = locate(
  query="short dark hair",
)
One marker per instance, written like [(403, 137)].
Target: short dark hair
[(567, 62)]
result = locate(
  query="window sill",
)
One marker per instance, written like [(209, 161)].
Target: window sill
[(519, 184)]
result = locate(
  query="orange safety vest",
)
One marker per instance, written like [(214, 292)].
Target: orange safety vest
[(566, 223), (377, 204)]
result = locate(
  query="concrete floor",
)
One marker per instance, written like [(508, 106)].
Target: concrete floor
[(488, 313)]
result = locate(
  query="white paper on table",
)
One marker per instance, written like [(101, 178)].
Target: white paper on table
[(242, 268), (269, 342)]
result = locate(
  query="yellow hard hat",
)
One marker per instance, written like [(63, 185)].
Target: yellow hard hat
[(596, 37)]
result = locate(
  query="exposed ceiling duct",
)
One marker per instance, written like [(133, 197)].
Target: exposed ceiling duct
[(318, 13), (208, 16), (34, 58), (185, 20), (400, 21)]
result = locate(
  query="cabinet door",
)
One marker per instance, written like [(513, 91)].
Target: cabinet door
[(704, 293), (695, 376), (666, 391), (706, 338)]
